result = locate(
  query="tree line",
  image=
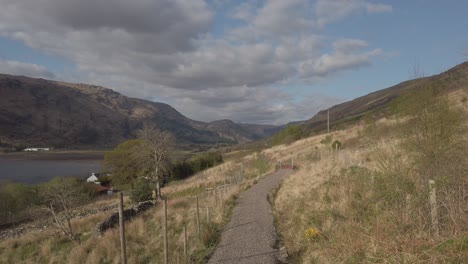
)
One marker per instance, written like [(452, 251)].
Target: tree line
[(142, 165), (56, 198), (144, 162)]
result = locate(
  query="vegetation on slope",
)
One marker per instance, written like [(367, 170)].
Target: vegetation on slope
[(369, 203), (216, 187)]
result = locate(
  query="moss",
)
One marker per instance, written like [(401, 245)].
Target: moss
[(28, 251), (192, 191)]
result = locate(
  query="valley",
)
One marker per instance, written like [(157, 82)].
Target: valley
[(359, 193)]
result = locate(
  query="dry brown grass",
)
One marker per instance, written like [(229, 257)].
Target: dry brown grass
[(367, 203), (144, 234)]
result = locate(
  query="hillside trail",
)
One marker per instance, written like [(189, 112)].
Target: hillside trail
[(250, 236)]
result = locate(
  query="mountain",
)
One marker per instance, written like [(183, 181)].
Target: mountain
[(352, 111), (242, 132), (49, 113)]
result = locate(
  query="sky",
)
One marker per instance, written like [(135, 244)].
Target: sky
[(258, 61)]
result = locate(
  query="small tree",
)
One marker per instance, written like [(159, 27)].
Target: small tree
[(15, 197), (432, 132), (336, 145), (123, 161), (141, 191), (59, 197), (154, 153)]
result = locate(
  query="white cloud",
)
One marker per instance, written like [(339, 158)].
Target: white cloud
[(346, 56), (378, 8), (279, 18), (329, 11), (245, 11), (164, 49), (27, 69), (349, 45)]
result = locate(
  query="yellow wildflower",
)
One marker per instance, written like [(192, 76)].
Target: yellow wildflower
[(311, 233)]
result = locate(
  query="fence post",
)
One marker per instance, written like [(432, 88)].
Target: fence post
[(185, 244), (198, 220), (242, 172), (166, 253), (407, 207), (207, 214), (433, 203), (122, 230)]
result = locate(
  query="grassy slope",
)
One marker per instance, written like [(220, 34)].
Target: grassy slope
[(144, 236), (378, 103), (359, 207)]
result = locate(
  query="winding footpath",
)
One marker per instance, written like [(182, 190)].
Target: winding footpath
[(250, 236)]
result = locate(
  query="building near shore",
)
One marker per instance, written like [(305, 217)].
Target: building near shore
[(36, 149), (93, 178)]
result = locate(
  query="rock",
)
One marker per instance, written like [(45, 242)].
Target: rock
[(113, 220)]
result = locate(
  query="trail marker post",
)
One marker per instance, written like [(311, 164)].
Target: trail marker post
[(198, 219), (433, 203), (166, 253), (123, 255), (185, 244)]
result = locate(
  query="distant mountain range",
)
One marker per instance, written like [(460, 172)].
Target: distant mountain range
[(38, 112), (352, 111)]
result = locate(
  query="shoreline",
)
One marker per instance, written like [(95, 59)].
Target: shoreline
[(56, 155)]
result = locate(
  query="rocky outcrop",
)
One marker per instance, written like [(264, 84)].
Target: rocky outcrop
[(113, 220), (45, 222)]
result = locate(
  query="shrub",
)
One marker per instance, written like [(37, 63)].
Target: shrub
[(185, 169), (336, 144), (141, 191), (288, 135), (327, 140)]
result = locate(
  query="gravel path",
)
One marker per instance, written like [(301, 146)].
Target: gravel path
[(251, 237)]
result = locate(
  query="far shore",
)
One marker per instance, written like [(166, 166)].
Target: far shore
[(55, 155)]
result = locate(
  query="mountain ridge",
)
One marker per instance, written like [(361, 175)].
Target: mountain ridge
[(42, 112), (449, 80)]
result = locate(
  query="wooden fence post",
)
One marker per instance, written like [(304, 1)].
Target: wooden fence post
[(407, 208), (198, 219), (185, 244), (242, 172), (166, 253), (433, 203), (122, 230), (207, 214)]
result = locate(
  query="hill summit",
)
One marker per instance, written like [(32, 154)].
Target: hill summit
[(42, 112)]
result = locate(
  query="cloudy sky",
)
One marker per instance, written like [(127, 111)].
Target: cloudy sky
[(258, 61)]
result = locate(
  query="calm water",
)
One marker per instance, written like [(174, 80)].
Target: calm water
[(38, 171)]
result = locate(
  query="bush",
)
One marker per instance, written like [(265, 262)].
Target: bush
[(122, 163), (186, 169), (15, 197), (141, 191), (290, 134), (336, 144), (327, 140)]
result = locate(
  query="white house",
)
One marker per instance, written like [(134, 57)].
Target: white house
[(36, 149), (93, 178)]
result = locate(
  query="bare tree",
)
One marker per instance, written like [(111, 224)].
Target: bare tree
[(154, 152), (59, 197), (417, 71)]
